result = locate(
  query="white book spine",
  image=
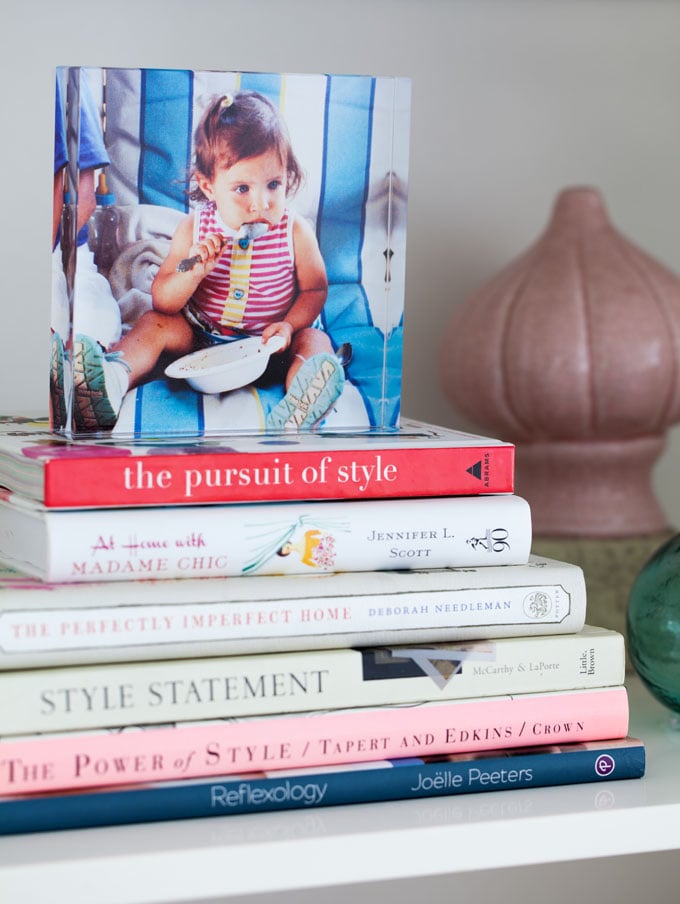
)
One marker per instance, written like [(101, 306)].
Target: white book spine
[(283, 538), (57, 624), (83, 697)]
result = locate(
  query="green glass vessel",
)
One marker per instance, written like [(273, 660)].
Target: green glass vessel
[(654, 624)]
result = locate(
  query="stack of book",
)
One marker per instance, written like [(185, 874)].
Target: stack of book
[(250, 624)]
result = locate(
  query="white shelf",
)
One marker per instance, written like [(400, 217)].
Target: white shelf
[(288, 851)]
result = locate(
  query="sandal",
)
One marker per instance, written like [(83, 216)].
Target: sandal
[(57, 386), (94, 408), (312, 392)]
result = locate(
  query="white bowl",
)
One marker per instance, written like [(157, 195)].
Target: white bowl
[(220, 368)]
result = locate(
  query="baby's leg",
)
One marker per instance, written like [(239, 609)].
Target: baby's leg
[(101, 379), (152, 335), (304, 345)]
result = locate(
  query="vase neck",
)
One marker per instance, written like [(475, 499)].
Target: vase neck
[(581, 208)]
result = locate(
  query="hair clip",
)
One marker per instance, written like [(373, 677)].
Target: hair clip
[(226, 114)]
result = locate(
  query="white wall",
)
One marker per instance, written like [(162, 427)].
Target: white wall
[(512, 101)]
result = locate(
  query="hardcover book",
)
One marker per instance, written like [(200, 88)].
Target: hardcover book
[(228, 252), (308, 788), (416, 459), (81, 759), (263, 538), (43, 624), (100, 696)]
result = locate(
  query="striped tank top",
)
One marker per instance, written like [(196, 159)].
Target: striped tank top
[(250, 287)]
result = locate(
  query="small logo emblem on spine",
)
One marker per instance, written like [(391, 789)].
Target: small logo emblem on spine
[(475, 470), (605, 765), (537, 604)]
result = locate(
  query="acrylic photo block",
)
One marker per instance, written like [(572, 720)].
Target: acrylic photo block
[(228, 252)]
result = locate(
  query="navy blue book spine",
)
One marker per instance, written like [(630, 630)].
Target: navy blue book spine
[(307, 789)]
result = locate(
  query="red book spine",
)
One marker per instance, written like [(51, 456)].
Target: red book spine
[(202, 478), (227, 747)]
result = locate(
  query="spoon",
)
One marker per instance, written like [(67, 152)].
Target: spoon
[(247, 233), (344, 353)]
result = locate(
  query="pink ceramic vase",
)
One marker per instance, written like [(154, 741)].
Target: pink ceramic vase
[(573, 353)]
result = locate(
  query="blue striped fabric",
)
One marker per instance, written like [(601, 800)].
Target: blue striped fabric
[(165, 136), (267, 83), (162, 408), (347, 149)]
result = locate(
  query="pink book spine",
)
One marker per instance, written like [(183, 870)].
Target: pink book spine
[(225, 747)]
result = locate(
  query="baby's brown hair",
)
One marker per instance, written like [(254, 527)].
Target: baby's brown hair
[(238, 126)]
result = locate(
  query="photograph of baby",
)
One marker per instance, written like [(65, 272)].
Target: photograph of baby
[(233, 260)]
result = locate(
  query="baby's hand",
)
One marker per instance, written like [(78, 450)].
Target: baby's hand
[(282, 329), (208, 251)]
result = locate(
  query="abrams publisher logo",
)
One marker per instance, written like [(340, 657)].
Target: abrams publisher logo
[(481, 469)]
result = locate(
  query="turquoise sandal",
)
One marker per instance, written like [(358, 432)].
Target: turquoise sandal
[(57, 385), (314, 389), (92, 409)]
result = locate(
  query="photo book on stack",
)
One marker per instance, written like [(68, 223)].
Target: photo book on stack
[(244, 266)]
